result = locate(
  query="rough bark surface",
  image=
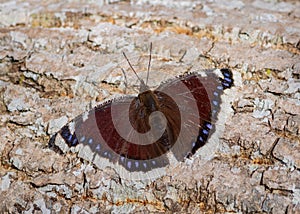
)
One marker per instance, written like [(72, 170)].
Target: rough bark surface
[(59, 59)]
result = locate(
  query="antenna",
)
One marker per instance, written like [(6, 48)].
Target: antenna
[(148, 70), (143, 86), (126, 83), (133, 68)]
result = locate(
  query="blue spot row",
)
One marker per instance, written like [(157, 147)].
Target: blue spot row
[(90, 141), (135, 164), (202, 138), (70, 138), (227, 82)]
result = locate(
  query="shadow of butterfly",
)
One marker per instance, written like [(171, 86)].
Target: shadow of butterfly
[(139, 136)]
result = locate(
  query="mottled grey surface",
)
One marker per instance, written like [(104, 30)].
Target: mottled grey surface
[(58, 59)]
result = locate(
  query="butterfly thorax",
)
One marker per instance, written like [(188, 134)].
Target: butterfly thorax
[(149, 101)]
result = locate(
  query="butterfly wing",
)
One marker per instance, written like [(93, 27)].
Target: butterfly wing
[(106, 138), (198, 97)]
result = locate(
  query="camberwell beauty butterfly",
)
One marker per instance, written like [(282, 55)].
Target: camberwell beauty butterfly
[(139, 135)]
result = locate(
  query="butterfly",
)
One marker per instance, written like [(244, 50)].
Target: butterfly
[(139, 136)]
